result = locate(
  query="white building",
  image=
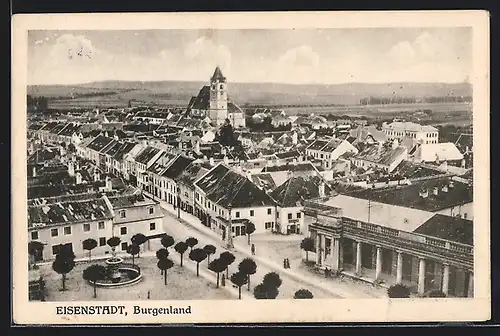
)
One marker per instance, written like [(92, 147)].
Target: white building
[(399, 130)]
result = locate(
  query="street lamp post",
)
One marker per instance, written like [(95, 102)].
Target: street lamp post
[(230, 230)]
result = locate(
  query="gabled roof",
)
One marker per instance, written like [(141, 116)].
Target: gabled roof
[(191, 173), (124, 149), (147, 154), (226, 187), (201, 101), (99, 143), (127, 201), (380, 155), (264, 180), (455, 229), (297, 189), (68, 212), (233, 108), (177, 167), (289, 154), (444, 151)]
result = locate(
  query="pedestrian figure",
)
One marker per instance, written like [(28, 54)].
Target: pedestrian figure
[(284, 263), (223, 280), (253, 249), (149, 294), (287, 263), (327, 272)]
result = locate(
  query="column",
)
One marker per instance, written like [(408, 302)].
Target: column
[(323, 250), (341, 254), (421, 276), (399, 271), (318, 252), (336, 253), (470, 290), (358, 258), (378, 265), (446, 279)]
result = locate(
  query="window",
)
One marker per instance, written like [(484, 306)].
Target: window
[(277, 215), (34, 235), (54, 232), (221, 87), (237, 214), (269, 225), (122, 214), (290, 216), (299, 214), (55, 249), (86, 227), (243, 230), (102, 241), (101, 225), (152, 226), (251, 213), (151, 210), (67, 230), (123, 230), (269, 211), (465, 215), (124, 246)]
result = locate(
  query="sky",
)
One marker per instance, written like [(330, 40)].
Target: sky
[(295, 56)]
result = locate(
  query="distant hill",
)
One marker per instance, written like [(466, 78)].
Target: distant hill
[(179, 92)]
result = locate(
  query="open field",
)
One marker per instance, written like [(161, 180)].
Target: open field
[(179, 92)]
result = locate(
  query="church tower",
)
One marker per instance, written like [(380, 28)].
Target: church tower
[(218, 97)]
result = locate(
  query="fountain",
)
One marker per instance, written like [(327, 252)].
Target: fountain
[(113, 266), (119, 273)]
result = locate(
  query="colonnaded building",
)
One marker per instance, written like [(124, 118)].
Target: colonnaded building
[(405, 234)]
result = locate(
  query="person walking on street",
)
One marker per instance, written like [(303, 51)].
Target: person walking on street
[(253, 249), (284, 263)]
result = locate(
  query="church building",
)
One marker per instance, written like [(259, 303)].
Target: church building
[(212, 101)]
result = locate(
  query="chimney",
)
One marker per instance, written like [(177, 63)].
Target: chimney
[(445, 188), (321, 189), (226, 160), (211, 161), (295, 138), (97, 175), (197, 146), (180, 144), (435, 190), (71, 168), (109, 185), (395, 144), (423, 193), (462, 163), (78, 178), (451, 184), (34, 171)]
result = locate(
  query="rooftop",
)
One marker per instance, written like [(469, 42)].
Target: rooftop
[(409, 126), (455, 229), (177, 167), (99, 143), (226, 187), (191, 173), (297, 189), (127, 201), (380, 154), (68, 212), (449, 193), (147, 154)]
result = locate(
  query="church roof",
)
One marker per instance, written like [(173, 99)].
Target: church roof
[(218, 75)]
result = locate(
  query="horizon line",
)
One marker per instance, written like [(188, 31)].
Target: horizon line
[(242, 82)]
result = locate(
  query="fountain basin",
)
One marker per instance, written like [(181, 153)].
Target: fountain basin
[(128, 275)]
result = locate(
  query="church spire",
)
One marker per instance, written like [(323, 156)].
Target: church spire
[(218, 75)]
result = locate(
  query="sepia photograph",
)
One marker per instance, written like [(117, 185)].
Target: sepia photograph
[(188, 163)]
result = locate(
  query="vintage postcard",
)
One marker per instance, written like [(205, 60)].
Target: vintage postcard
[(251, 167)]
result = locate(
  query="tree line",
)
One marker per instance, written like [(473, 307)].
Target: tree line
[(36, 104), (411, 100)]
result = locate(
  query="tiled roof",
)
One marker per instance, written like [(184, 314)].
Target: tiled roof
[(146, 154), (58, 128), (318, 144), (297, 189), (69, 212), (192, 172), (99, 143), (381, 155), (409, 195), (69, 129), (201, 101), (112, 148), (225, 187), (289, 154), (264, 180), (413, 170), (177, 167), (124, 149), (151, 114), (455, 229), (233, 108), (444, 151), (290, 167), (127, 201)]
